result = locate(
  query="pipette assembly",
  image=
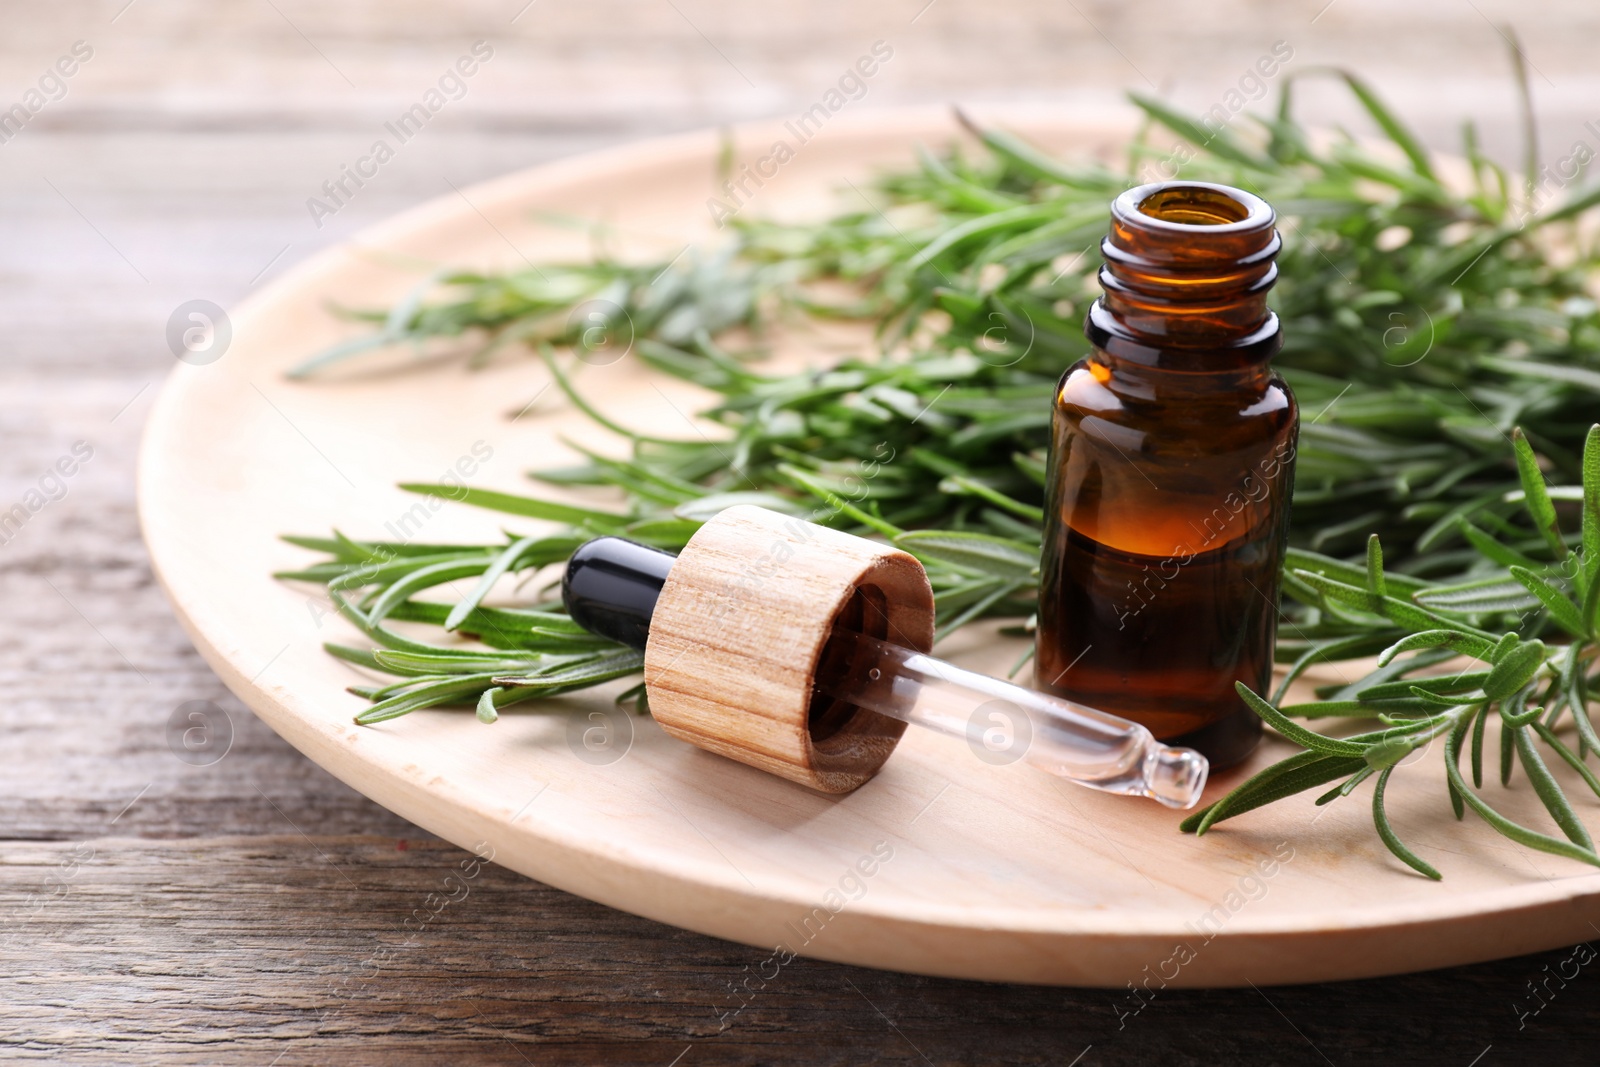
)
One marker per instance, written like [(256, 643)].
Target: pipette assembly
[(803, 651)]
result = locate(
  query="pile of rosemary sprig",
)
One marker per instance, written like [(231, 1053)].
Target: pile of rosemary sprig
[(1528, 687), (1424, 324)]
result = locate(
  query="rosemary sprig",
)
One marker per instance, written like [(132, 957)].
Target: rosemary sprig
[(1423, 323), (1528, 688)]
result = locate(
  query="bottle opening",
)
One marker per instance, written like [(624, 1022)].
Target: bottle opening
[(1194, 205), (1187, 264)]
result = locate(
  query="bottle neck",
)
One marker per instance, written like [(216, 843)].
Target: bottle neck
[(1185, 275)]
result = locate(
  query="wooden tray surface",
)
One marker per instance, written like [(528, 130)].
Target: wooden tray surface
[(941, 865)]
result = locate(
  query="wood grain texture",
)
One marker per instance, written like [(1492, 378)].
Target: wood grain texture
[(739, 629), (207, 929)]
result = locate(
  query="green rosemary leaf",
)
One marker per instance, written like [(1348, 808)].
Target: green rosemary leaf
[(1571, 758), (374, 632), (334, 546), (1445, 526), (319, 573), (1508, 643), (1591, 600), (586, 671), (1586, 379), (1296, 774), (1000, 221), (1480, 721), (409, 683), (1464, 643), (998, 556), (537, 627), (487, 712), (1492, 549), (1480, 597), (1507, 750), (638, 696), (361, 657), (669, 534), (1031, 161), (1294, 731), (636, 479), (1536, 495), (1458, 803), (506, 561), (1438, 701), (356, 575), (971, 196), (1022, 661), (1396, 669), (1375, 566), (1399, 611), (1380, 818), (465, 662), (1030, 465), (1218, 142), (960, 485), (349, 549), (1298, 559), (1591, 518), (398, 323), (1566, 614), (1463, 682), (1504, 826), (1572, 208), (527, 507), (1550, 792), (1349, 709), (1577, 701), (564, 383), (837, 502), (1393, 127), (1001, 592), (1347, 787), (1514, 671), (1007, 526), (449, 691), (1387, 753), (423, 578), (339, 353), (1337, 649)]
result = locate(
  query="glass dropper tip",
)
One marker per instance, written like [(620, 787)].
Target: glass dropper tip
[(1175, 776)]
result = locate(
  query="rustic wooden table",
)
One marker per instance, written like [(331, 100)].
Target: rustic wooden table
[(252, 910)]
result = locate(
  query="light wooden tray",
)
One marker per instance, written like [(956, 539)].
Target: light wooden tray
[(943, 864)]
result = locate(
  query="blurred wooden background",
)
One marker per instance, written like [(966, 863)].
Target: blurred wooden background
[(152, 911)]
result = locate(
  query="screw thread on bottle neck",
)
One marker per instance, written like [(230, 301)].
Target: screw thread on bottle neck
[(1187, 267)]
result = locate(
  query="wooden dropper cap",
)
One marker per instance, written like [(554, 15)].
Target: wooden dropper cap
[(738, 626)]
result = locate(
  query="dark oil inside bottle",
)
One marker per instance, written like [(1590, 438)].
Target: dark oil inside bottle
[(1181, 632), (1170, 472)]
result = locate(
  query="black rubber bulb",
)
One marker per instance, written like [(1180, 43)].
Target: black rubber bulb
[(611, 586)]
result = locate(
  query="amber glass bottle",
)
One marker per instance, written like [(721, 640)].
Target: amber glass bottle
[(1171, 465)]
